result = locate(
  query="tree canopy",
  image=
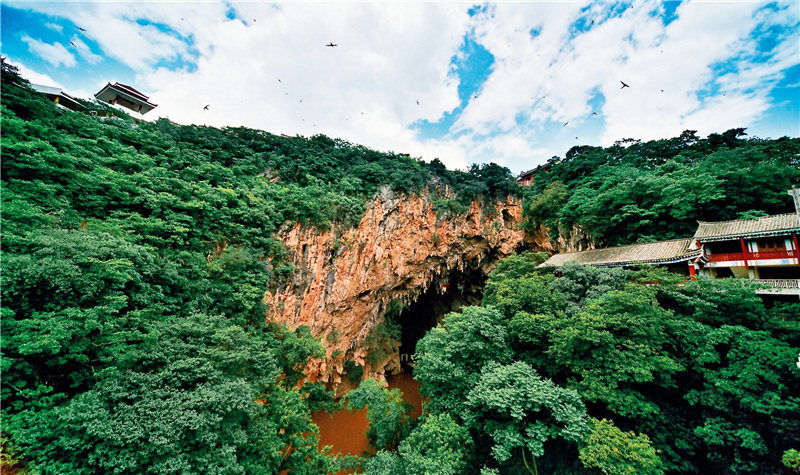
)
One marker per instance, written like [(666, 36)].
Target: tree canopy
[(602, 370), (135, 260), (639, 191)]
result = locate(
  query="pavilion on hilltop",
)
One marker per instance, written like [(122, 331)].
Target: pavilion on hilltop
[(125, 96)]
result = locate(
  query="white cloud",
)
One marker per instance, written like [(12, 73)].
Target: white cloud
[(85, 52), (34, 76), (115, 27), (54, 53), (255, 69), (54, 26), (552, 77), (365, 90)]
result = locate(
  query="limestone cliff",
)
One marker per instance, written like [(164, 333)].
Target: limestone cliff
[(567, 240), (344, 281)]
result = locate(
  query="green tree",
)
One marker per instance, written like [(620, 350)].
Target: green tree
[(615, 452), (436, 446), (748, 398), (450, 357), (388, 415), (516, 409)]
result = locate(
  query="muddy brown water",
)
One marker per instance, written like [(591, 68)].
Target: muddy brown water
[(346, 430)]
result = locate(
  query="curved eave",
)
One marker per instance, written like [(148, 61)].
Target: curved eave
[(672, 260), (748, 235), (656, 261), (128, 96)]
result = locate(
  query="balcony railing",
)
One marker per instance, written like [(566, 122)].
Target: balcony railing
[(779, 283), (753, 256)]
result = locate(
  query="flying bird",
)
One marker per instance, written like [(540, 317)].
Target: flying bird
[(82, 29), (73, 44), (206, 107), (331, 44), (624, 85), (417, 101), (565, 123), (594, 113)]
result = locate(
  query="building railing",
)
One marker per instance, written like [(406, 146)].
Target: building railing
[(779, 283), (752, 256)]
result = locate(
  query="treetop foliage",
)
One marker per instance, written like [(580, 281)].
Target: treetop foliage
[(135, 260), (602, 370), (648, 191)]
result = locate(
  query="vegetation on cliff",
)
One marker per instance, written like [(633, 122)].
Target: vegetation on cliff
[(648, 191), (602, 371), (135, 261), (136, 257)]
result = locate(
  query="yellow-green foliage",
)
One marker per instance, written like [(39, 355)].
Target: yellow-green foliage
[(791, 458), (615, 452)]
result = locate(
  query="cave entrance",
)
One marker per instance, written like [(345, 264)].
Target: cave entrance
[(445, 295)]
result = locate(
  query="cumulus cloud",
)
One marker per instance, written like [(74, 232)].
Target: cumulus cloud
[(85, 52), (267, 66), (33, 76), (53, 53), (276, 72)]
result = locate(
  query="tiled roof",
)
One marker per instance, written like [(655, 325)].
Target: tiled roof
[(675, 250), (127, 90), (765, 226), (132, 90), (56, 91)]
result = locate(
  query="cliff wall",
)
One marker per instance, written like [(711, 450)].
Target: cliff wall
[(345, 281), (567, 240)]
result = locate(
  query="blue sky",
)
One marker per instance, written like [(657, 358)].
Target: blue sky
[(513, 83)]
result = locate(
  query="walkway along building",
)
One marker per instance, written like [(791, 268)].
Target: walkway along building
[(762, 249)]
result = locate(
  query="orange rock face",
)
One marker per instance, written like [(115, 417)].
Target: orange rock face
[(344, 281)]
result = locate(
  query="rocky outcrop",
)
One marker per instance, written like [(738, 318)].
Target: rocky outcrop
[(568, 240), (345, 280)]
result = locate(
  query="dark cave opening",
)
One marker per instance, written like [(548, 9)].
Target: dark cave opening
[(445, 295)]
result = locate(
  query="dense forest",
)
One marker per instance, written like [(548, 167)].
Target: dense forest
[(135, 261), (135, 257), (600, 371), (648, 191)]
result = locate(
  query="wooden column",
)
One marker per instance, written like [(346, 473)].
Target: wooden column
[(744, 252), (692, 273), (796, 250)]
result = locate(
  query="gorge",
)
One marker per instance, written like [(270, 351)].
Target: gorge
[(403, 259)]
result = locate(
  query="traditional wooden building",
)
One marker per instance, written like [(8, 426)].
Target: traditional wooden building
[(676, 254), (57, 95), (762, 249), (526, 178), (126, 96)]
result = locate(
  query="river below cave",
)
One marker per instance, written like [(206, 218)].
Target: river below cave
[(346, 430)]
